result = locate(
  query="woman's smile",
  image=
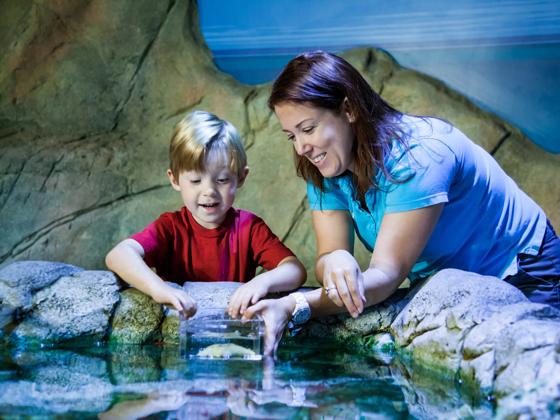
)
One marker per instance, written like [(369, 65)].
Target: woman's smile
[(322, 136)]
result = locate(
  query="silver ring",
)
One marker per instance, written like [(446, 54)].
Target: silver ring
[(328, 289)]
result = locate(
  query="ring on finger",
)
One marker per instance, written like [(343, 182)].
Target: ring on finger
[(328, 289)]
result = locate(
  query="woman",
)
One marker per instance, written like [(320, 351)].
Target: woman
[(420, 194)]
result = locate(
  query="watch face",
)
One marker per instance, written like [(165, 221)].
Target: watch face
[(301, 315)]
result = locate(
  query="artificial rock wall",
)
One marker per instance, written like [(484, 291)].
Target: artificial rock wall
[(90, 92)]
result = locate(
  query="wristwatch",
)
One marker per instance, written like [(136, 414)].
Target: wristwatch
[(302, 311)]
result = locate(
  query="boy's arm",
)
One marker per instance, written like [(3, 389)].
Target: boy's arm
[(289, 274), (126, 259)]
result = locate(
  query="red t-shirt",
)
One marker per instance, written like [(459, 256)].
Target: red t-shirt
[(181, 250)]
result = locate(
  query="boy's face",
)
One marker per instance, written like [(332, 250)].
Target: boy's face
[(207, 195)]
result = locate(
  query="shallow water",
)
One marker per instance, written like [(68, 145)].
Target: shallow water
[(311, 379)]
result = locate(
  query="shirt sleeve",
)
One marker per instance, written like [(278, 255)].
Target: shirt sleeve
[(267, 249), (154, 239), (424, 176), (332, 198)]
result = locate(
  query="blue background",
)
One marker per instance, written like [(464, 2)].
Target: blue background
[(503, 55)]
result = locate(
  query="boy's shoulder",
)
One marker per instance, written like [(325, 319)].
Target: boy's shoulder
[(246, 216)]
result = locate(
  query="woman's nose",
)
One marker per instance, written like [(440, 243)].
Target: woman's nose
[(301, 146)]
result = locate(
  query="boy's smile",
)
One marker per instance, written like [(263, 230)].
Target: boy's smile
[(208, 195)]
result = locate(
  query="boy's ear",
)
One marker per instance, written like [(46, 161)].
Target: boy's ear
[(244, 176), (173, 181), (348, 111)]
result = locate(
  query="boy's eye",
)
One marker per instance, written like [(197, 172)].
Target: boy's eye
[(195, 181), (223, 180)]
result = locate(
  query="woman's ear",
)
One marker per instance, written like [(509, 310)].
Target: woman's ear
[(241, 180), (348, 111), (174, 182)]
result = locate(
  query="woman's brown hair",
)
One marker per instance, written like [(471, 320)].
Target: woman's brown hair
[(326, 80)]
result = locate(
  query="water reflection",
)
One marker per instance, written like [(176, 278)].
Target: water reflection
[(311, 379)]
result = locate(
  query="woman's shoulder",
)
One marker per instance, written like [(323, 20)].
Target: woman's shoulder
[(417, 128)]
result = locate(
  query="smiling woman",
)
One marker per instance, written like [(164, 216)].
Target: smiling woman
[(407, 185)]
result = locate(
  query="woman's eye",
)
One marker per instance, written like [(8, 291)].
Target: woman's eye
[(291, 137), (308, 130)]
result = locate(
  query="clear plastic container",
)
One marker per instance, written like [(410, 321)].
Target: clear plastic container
[(212, 334)]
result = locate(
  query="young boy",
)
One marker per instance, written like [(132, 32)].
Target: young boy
[(207, 240)]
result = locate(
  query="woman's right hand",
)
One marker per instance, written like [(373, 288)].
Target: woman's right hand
[(276, 313), (343, 281)]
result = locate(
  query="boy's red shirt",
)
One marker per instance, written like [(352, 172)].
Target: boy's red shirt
[(181, 250)]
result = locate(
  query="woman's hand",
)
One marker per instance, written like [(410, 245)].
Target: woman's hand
[(276, 313), (343, 281)]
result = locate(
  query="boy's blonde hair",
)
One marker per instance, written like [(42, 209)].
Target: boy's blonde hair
[(201, 134)]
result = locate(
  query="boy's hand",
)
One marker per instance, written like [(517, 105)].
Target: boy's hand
[(247, 295), (177, 299)]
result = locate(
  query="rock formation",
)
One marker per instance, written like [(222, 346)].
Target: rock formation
[(91, 92)]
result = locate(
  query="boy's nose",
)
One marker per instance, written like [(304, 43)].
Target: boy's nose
[(209, 189)]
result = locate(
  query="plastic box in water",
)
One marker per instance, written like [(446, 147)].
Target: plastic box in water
[(212, 334)]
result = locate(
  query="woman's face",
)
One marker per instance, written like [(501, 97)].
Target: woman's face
[(320, 135)]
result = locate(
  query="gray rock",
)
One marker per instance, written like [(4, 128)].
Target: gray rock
[(137, 319), (212, 295), (19, 280), (74, 307), (435, 322)]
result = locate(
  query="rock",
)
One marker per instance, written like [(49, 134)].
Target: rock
[(349, 331), (210, 296), (19, 280), (74, 307), (137, 319), (437, 318), (102, 151)]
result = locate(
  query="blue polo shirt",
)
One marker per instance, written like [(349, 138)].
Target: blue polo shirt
[(486, 219)]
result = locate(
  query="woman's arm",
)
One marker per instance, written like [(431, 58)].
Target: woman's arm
[(333, 231), (401, 239)]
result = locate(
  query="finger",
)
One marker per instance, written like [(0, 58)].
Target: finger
[(277, 340), (361, 288), (256, 309), (333, 291), (245, 303), (331, 288), (352, 281), (344, 294), (270, 342), (256, 297), (188, 305), (235, 304)]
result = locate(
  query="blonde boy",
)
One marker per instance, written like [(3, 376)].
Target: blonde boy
[(207, 240)]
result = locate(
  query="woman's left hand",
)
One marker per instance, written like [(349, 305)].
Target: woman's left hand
[(343, 281), (276, 313)]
